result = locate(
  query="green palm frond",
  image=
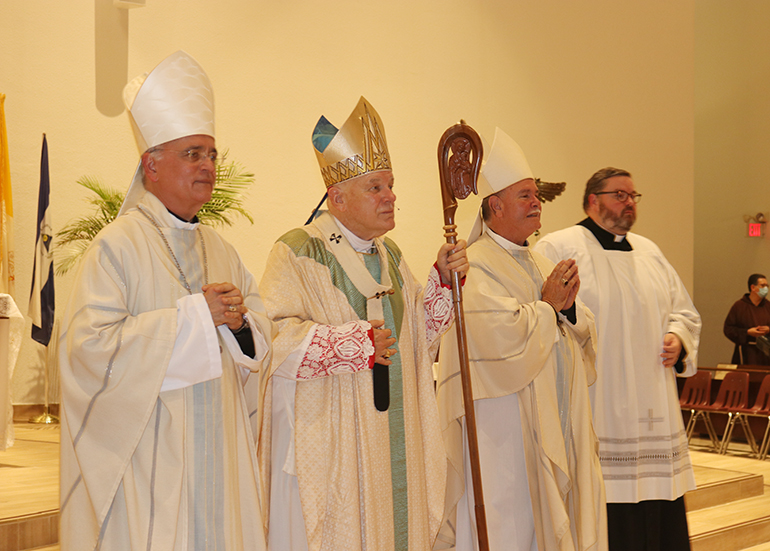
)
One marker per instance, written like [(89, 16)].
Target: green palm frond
[(227, 198), (226, 203), (74, 252)]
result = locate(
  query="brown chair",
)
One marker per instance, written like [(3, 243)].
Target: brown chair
[(696, 392), (733, 394), (696, 395), (761, 408)]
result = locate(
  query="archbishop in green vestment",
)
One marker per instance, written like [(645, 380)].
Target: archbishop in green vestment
[(342, 474)]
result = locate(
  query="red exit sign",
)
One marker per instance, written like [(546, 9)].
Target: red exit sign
[(755, 229)]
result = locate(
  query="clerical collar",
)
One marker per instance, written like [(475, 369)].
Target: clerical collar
[(193, 221), (358, 244), (608, 240), (504, 243), (156, 206)]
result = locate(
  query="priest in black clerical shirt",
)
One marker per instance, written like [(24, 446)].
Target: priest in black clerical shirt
[(648, 331)]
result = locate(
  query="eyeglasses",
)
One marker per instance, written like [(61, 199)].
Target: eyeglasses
[(621, 195), (196, 155)]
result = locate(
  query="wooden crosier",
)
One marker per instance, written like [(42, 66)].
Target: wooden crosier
[(459, 160)]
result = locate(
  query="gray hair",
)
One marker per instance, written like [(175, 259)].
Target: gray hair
[(151, 151), (486, 210)]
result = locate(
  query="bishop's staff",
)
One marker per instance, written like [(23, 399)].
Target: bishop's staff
[(458, 173)]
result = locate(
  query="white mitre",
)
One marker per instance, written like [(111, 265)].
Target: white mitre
[(173, 101), (505, 165)]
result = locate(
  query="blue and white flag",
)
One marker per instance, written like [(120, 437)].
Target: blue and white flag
[(41, 299)]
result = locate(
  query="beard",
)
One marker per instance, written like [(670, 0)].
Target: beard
[(613, 222)]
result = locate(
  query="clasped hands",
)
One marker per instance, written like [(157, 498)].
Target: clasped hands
[(382, 343), (225, 303), (561, 287)]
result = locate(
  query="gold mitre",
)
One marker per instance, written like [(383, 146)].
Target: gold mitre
[(359, 147)]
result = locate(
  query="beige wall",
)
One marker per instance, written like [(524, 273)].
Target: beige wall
[(580, 85), (732, 123)]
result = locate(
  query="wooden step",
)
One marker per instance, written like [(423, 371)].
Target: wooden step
[(718, 486), (29, 489), (29, 531), (731, 526), (29, 496)]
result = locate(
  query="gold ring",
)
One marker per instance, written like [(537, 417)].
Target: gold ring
[(386, 354), (233, 308), (565, 281)]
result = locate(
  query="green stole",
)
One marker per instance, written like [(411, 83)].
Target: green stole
[(395, 417)]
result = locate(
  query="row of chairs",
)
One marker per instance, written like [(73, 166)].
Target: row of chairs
[(731, 400)]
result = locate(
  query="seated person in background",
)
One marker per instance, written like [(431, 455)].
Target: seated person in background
[(748, 319)]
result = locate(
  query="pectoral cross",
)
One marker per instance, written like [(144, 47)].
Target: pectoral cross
[(650, 419)]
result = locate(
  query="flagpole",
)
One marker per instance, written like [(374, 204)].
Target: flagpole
[(45, 418), (42, 302), (7, 270)]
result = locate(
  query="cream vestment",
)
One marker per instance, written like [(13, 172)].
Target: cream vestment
[(530, 378), (366, 479), (156, 447)]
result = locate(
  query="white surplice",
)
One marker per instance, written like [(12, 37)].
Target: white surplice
[(637, 297)]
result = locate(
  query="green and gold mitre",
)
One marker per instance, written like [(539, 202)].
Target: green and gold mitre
[(359, 147)]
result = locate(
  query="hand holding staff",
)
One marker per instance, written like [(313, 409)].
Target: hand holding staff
[(459, 159)]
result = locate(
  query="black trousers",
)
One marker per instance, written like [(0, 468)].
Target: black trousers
[(655, 525)]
